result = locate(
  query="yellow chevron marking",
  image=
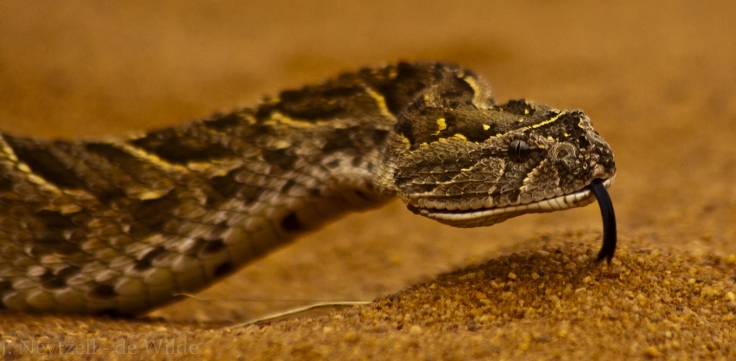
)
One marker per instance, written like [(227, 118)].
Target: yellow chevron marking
[(441, 125), (381, 101), (548, 121)]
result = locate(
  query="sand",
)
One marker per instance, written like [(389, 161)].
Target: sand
[(658, 81)]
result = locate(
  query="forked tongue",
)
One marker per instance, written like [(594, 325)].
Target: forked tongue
[(609, 220)]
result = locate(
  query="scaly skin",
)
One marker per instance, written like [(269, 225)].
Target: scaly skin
[(122, 225)]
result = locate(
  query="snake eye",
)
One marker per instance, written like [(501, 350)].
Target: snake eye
[(519, 151)]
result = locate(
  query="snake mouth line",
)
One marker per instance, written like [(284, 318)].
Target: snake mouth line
[(596, 189), (578, 198)]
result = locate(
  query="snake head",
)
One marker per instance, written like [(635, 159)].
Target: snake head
[(470, 166)]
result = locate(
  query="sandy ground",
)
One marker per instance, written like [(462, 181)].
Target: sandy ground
[(658, 81)]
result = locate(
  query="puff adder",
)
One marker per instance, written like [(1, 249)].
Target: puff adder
[(122, 225)]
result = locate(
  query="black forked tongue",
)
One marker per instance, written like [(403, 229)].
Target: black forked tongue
[(609, 221)]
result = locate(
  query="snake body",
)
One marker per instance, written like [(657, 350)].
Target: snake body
[(122, 225)]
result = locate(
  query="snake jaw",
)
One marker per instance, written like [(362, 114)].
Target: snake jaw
[(489, 216)]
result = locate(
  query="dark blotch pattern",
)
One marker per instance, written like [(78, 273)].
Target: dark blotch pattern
[(472, 131), (251, 194), (194, 250), (52, 239), (346, 139), (54, 220), (205, 247), (54, 243), (214, 246), (58, 280), (318, 102), (5, 286), (280, 157), (104, 292), (333, 163), (137, 230), (361, 195), (178, 148), (406, 129), (224, 122), (550, 114), (291, 223), (264, 111), (518, 107), (378, 136), (99, 182), (583, 142), (223, 270), (110, 312), (146, 261), (35, 155), (287, 186), (338, 140), (457, 93), (224, 187), (227, 187), (400, 90), (6, 184), (115, 155), (110, 194), (156, 212)]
